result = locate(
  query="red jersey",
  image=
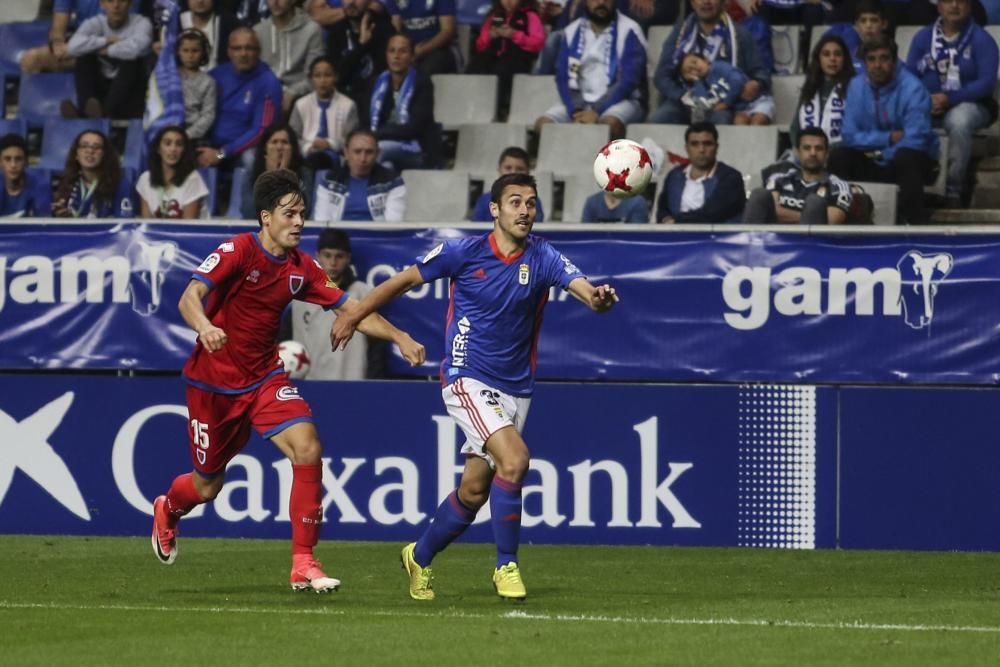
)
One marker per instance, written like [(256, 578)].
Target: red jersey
[(250, 290)]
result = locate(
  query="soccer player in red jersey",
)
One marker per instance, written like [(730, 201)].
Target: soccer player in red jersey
[(235, 379)]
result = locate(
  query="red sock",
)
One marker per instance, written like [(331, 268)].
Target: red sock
[(182, 497), (304, 507)]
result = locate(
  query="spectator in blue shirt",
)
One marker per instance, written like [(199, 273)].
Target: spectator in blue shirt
[(249, 101), (605, 207), (23, 193), (513, 160), (431, 26), (887, 130), (869, 22), (957, 61)]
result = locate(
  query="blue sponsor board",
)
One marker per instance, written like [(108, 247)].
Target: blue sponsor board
[(919, 469), (723, 307), (613, 464)]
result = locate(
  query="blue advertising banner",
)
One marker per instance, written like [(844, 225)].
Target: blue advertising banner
[(723, 307), (651, 464), (919, 469)]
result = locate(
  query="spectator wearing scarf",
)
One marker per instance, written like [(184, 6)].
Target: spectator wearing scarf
[(957, 61), (824, 93), (401, 108), (713, 34), (601, 71)]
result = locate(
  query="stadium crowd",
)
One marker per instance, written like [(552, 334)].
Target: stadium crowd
[(342, 92)]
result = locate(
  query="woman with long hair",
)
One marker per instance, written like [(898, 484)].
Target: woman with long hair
[(172, 188), (92, 183), (824, 93), (278, 149)]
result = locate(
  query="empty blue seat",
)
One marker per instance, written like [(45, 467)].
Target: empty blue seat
[(58, 137), (236, 193), (41, 94), (211, 177), (13, 126), (134, 156), (15, 39)]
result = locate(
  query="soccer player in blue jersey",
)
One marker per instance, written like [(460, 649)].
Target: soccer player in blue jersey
[(499, 285)]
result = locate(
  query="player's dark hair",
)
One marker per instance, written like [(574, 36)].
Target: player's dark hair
[(869, 7), (323, 59), (699, 127), (878, 43), (334, 239), (273, 186), (515, 152), (813, 132), (496, 192), (13, 141), (184, 166)]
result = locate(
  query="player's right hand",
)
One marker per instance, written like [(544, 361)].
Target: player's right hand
[(213, 338)]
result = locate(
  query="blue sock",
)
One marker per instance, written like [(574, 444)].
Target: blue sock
[(505, 508), (450, 521)]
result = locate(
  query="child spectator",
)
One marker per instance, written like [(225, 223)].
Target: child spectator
[(324, 117), (199, 88), (513, 160), (23, 193), (93, 184), (714, 89), (509, 40), (605, 207), (172, 188)]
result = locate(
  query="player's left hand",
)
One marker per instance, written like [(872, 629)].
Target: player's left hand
[(412, 351), (603, 298), (342, 331)]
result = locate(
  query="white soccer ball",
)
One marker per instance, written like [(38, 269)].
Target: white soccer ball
[(295, 357), (623, 168)]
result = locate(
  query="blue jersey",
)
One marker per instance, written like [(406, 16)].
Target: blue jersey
[(495, 310)]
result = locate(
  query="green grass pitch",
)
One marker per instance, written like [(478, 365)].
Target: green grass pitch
[(107, 601)]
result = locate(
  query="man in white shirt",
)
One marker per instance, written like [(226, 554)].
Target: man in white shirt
[(705, 190)]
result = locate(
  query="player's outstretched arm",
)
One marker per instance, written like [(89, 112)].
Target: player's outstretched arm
[(353, 312), (599, 299), (193, 312), (379, 327)]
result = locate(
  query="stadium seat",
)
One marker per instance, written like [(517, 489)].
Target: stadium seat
[(464, 98), (134, 149), (236, 193), (211, 177), (433, 195), (479, 147), (786, 90), (569, 148), (59, 134), (654, 45), (543, 179), (938, 186), (531, 96), (576, 189), (748, 148), (16, 38), (19, 10), (13, 126), (904, 37), (884, 199), (40, 94), (785, 42), (668, 137)]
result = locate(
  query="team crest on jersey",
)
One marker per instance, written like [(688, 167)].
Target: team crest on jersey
[(210, 263), (295, 282), (523, 274), (254, 276), (288, 393), (434, 252)]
